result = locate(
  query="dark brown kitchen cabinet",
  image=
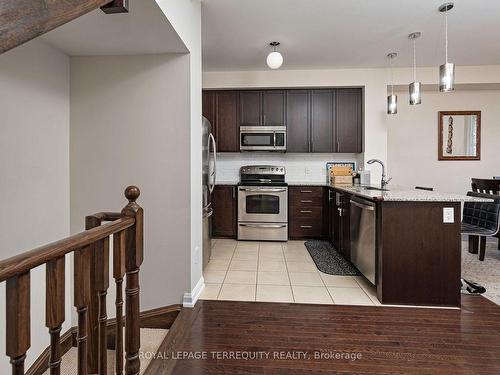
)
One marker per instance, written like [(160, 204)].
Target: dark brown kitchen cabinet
[(322, 121), (208, 107), (250, 108), (262, 108), (348, 120), (273, 108), (340, 222), (226, 121), (307, 213), (224, 204), (297, 115)]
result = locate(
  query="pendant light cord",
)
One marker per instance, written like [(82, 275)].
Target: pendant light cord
[(446, 35), (392, 75), (414, 61)]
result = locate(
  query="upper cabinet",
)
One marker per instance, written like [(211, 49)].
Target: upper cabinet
[(322, 121), (250, 108), (297, 116), (349, 120), (262, 108), (317, 120)]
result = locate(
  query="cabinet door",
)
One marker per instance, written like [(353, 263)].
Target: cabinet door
[(227, 131), (349, 120), (224, 219), (273, 108), (335, 220), (297, 118), (208, 107), (250, 108), (322, 120), (345, 227)]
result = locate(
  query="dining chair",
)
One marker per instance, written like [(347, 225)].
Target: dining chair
[(487, 186)]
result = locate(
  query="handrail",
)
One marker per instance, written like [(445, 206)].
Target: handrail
[(28, 260)]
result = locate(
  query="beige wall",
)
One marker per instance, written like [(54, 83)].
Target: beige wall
[(34, 170), (130, 124), (413, 141)]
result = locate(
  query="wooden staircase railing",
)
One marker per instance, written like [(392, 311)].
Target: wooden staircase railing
[(91, 264)]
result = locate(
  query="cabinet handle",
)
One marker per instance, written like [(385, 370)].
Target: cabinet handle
[(264, 119), (338, 146), (306, 191), (234, 192), (306, 226), (306, 211), (306, 201)]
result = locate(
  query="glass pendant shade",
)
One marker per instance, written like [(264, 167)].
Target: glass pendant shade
[(446, 77), (415, 91), (274, 60), (392, 104)]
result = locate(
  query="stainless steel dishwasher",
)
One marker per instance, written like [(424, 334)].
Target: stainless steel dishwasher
[(362, 224)]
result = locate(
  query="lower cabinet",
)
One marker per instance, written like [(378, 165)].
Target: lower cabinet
[(340, 231), (225, 216), (307, 213)]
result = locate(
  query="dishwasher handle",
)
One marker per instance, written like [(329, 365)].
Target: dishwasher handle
[(362, 206)]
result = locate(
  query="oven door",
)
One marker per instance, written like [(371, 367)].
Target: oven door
[(262, 138), (263, 204)]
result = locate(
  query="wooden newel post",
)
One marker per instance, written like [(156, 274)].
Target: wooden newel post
[(133, 261)]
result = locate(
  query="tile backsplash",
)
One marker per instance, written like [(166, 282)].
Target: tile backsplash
[(299, 167)]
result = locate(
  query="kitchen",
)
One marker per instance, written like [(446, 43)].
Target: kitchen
[(266, 202)]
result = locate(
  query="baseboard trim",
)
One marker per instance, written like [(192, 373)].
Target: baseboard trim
[(190, 299)]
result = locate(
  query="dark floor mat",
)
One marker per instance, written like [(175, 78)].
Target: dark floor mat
[(328, 260)]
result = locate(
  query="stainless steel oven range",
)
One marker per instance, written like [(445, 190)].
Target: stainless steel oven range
[(262, 204)]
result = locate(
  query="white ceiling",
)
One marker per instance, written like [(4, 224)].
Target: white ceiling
[(144, 30), (346, 33)]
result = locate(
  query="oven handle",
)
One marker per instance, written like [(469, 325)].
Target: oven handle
[(263, 225), (264, 190)]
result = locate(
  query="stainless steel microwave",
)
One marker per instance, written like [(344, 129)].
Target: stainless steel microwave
[(263, 138)]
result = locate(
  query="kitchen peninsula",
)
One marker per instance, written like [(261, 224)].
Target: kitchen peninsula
[(416, 252)]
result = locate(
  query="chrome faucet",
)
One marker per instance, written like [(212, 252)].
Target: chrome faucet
[(384, 180)]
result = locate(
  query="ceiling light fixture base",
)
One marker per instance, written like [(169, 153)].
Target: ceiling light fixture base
[(415, 35), (446, 7), (392, 55)]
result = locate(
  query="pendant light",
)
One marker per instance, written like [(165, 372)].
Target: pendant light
[(446, 70), (415, 87), (392, 100), (274, 59)]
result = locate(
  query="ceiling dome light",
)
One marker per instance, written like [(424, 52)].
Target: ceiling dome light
[(415, 88), (446, 70), (274, 59)]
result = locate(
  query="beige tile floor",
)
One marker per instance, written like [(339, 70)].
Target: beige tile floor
[(278, 272)]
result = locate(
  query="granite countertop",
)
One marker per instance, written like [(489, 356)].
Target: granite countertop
[(226, 182), (404, 194)]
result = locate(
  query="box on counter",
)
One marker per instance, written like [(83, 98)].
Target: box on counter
[(347, 180)]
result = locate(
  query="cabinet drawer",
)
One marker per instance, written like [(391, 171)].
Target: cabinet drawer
[(306, 228), (307, 213), (306, 192)]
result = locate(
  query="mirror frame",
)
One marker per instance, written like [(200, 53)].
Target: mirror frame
[(441, 114)]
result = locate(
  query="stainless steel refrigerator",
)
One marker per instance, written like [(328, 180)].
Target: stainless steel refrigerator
[(209, 170)]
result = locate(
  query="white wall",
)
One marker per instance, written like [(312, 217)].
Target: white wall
[(309, 168), (413, 141), (185, 17), (34, 170), (130, 124)]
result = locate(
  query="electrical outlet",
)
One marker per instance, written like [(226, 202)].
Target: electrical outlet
[(307, 170), (448, 215)]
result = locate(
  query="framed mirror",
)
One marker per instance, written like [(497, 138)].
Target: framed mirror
[(459, 135)]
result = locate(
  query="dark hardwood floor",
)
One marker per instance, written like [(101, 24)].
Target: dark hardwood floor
[(388, 340)]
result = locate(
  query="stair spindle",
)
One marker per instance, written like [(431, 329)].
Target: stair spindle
[(54, 310), (18, 320), (101, 273), (133, 260), (118, 274), (82, 298)]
